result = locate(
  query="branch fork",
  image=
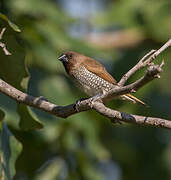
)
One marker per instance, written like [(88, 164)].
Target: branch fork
[(153, 71)]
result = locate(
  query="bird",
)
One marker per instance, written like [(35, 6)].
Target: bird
[(91, 76)]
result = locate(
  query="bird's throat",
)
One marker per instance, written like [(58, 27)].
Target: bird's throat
[(66, 66)]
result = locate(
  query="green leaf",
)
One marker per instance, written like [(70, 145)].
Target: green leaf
[(10, 148), (28, 119), (13, 70), (11, 24)]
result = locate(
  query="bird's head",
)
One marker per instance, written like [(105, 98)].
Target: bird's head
[(70, 60), (69, 56), (66, 57)]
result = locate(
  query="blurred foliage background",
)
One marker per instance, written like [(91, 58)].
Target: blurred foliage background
[(85, 146)]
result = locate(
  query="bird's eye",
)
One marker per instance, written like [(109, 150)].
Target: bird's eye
[(70, 55)]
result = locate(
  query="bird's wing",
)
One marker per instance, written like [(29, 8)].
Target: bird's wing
[(98, 69)]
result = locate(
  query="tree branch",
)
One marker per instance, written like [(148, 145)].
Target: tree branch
[(66, 111), (153, 72), (2, 45), (130, 118), (144, 61), (134, 69)]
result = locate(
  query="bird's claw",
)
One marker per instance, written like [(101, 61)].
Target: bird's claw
[(95, 98), (77, 104)]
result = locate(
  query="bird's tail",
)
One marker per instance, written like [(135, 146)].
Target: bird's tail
[(133, 99)]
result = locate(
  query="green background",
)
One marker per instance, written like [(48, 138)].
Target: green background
[(86, 145)]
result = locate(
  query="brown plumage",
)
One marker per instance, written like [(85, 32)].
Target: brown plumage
[(90, 75)]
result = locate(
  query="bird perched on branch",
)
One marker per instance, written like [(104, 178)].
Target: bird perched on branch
[(91, 76)]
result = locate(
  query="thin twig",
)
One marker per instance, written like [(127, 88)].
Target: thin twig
[(153, 71), (134, 69), (2, 45), (147, 55), (2, 32), (146, 60), (65, 111)]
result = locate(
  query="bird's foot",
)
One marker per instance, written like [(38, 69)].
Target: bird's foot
[(77, 104), (95, 98)]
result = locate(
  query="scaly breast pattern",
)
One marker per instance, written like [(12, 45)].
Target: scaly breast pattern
[(89, 82)]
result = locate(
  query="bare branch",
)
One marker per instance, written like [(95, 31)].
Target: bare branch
[(2, 32), (153, 72), (37, 102), (144, 61), (65, 111), (2, 45), (130, 118), (134, 69)]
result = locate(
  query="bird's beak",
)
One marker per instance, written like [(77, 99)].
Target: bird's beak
[(63, 58)]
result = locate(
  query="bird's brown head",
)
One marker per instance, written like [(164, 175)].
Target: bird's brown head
[(70, 60)]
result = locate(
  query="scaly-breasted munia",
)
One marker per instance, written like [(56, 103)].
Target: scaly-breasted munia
[(90, 75)]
